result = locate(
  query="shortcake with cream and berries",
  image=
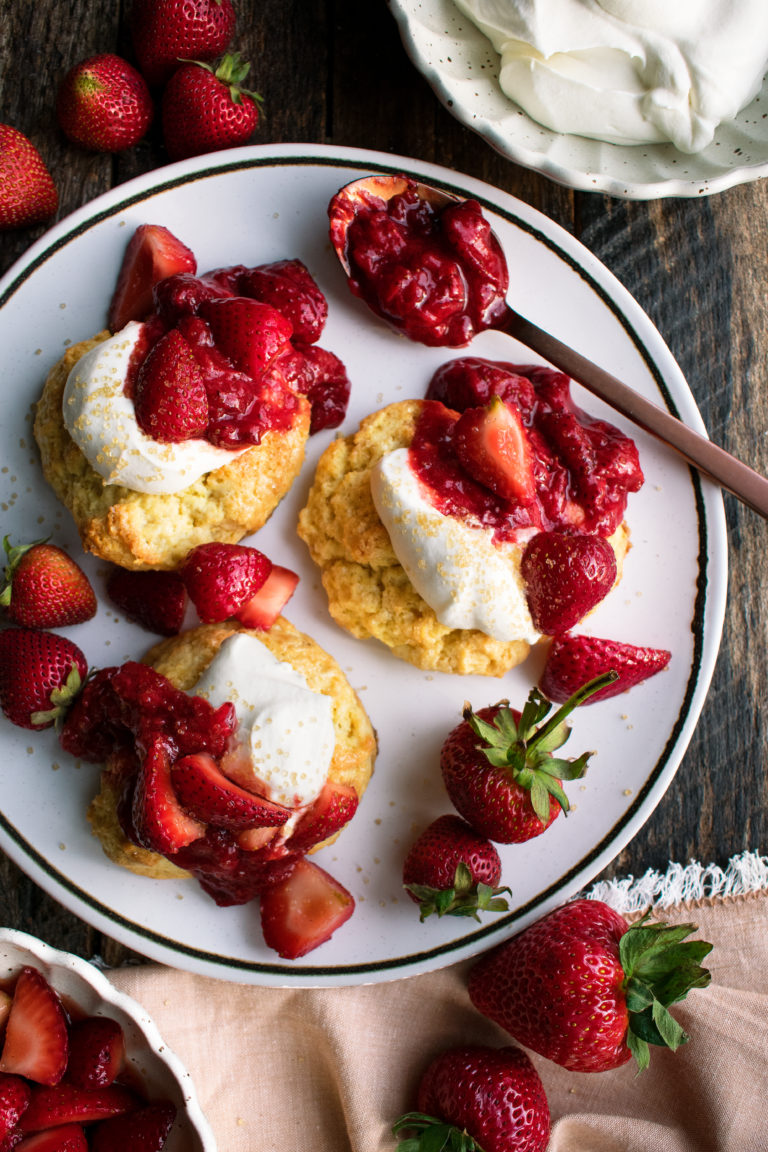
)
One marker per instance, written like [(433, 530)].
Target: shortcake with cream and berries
[(186, 422), (461, 529)]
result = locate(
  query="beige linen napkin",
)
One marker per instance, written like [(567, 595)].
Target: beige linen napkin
[(329, 1070)]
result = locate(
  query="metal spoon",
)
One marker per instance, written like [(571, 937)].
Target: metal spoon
[(714, 462)]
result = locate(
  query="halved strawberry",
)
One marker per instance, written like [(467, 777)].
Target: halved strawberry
[(153, 253), (62, 1138), (15, 1095), (221, 578), (248, 332), (573, 660), (96, 1052), (493, 447), (204, 790), (304, 910), (36, 1040), (333, 808), (566, 575), (156, 600), (169, 398), (263, 609), (159, 821), (66, 1104), (145, 1130)]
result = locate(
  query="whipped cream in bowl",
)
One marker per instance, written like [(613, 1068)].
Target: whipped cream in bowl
[(101, 420)]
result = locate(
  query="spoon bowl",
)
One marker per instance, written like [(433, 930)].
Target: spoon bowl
[(714, 462)]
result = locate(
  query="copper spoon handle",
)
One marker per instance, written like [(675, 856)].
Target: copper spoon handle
[(738, 478)]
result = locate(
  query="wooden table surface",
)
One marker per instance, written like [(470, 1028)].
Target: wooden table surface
[(335, 71)]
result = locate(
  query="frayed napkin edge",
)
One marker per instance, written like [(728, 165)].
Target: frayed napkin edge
[(744, 875)]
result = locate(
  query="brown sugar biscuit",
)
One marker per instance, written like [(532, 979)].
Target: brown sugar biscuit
[(183, 659), (369, 593), (141, 530)]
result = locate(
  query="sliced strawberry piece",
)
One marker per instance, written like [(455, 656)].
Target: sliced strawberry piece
[(333, 808), (96, 1052), (288, 286), (254, 839), (152, 254), (62, 1138), (220, 578), (66, 1104), (15, 1095), (145, 1130), (573, 660), (159, 821), (493, 447), (182, 295), (249, 333), (304, 910), (263, 609), (170, 398), (566, 576), (36, 1041), (156, 600), (204, 790), (5, 1008)]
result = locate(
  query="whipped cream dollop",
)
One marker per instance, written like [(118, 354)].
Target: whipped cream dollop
[(467, 580), (101, 420), (629, 71), (285, 736)]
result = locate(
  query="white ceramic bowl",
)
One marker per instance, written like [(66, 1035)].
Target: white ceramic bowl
[(462, 67), (160, 1071)]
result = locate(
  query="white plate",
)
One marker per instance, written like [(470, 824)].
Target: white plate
[(260, 204), (160, 1072), (462, 67)]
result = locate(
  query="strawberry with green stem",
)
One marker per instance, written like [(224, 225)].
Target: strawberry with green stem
[(44, 587), (204, 108), (41, 674), (453, 871)]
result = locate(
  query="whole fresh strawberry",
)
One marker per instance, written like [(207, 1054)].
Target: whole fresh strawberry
[(27, 192), (165, 32), (41, 673), (104, 104), (221, 578), (453, 871), (566, 575), (587, 991), (44, 587), (499, 770), (574, 659), (478, 1099), (204, 109)]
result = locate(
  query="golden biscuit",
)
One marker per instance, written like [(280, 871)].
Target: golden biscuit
[(140, 530), (368, 591), (183, 659)]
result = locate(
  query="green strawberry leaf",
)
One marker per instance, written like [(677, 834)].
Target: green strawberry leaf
[(433, 1135), (640, 1050)]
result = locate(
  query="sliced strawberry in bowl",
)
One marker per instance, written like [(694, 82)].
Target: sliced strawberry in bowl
[(302, 911), (153, 253), (36, 1041), (61, 1138), (204, 790), (248, 332), (573, 660), (262, 609), (492, 446), (145, 1130), (96, 1052), (327, 815), (221, 578), (159, 822), (15, 1094), (66, 1104)]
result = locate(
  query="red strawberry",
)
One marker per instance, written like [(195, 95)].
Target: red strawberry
[(104, 104), (304, 910), (572, 660), (62, 1138), (27, 192), (156, 600), (249, 333), (15, 1095), (40, 676), (586, 991), (452, 870), (565, 577), (44, 587), (36, 1040), (96, 1052), (204, 110), (319, 375), (507, 785), (327, 815), (479, 1099), (153, 253), (66, 1104), (220, 578), (170, 398), (492, 446), (159, 821), (145, 1130), (262, 609), (288, 286), (204, 790), (165, 32)]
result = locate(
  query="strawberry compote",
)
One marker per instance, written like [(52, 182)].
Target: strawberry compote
[(438, 276), (583, 468)]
